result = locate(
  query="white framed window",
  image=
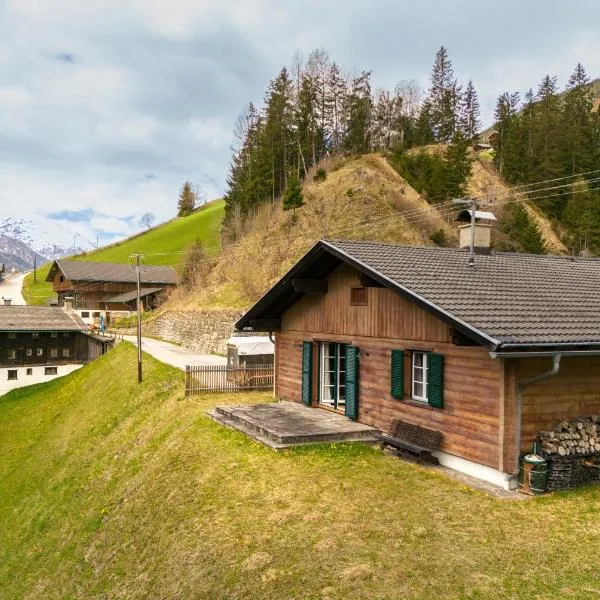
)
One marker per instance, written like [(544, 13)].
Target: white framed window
[(51, 371), (419, 376), (12, 354), (66, 352), (54, 334), (29, 352), (35, 334), (332, 374), (39, 352), (53, 352), (12, 335)]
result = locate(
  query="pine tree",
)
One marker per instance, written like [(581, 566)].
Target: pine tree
[(358, 115), (424, 133), (186, 202), (292, 197), (577, 123), (458, 166), (336, 101), (444, 95), (469, 122)]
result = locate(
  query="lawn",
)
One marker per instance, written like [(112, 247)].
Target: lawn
[(110, 490), (162, 245)]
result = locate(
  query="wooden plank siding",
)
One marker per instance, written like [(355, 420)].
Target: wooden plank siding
[(573, 392), (474, 383)]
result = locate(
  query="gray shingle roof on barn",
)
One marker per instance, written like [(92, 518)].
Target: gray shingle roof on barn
[(506, 300), (79, 270), (39, 318)]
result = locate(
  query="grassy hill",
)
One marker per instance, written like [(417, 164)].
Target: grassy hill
[(113, 490), (162, 245), (170, 238), (361, 198)]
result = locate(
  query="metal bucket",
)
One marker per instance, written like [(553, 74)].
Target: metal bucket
[(533, 474)]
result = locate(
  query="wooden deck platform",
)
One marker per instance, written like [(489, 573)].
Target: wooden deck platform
[(286, 424)]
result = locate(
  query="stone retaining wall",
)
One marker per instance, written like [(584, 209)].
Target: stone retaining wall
[(206, 331)]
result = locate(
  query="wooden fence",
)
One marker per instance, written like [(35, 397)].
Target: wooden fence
[(222, 378)]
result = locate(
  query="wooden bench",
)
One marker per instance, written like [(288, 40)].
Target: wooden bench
[(412, 441)]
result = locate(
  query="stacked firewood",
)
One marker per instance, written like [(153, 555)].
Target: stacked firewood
[(569, 438)]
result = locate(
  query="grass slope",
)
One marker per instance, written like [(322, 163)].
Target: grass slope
[(38, 293), (170, 238), (113, 490), (173, 236), (361, 198)]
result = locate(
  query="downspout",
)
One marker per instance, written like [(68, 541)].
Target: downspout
[(274, 360), (521, 385)]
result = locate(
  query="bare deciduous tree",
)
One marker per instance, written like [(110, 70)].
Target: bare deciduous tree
[(147, 219)]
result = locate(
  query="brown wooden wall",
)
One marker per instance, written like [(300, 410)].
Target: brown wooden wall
[(473, 389), (92, 295), (573, 392)]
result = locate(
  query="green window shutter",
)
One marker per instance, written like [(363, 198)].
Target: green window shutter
[(397, 372), (435, 380), (351, 408), (307, 373)]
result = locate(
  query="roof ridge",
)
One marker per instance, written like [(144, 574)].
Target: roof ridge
[(496, 253)]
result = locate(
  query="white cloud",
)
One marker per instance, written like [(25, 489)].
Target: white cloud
[(151, 93)]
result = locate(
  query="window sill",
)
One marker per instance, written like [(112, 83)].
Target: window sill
[(419, 403)]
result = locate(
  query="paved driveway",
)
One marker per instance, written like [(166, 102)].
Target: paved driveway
[(11, 288), (176, 356)]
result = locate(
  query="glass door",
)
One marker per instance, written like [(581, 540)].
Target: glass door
[(332, 374)]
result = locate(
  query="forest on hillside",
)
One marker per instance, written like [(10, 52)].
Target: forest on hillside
[(315, 110)]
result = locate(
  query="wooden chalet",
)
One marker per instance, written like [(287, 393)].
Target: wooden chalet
[(38, 343), (489, 355), (109, 286)]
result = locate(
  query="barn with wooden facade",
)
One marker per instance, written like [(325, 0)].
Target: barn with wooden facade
[(39, 343), (489, 355), (112, 287)]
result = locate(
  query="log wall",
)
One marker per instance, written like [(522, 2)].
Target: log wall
[(474, 383), (573, 392)]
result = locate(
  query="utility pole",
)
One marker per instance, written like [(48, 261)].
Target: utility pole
[(139, 319)]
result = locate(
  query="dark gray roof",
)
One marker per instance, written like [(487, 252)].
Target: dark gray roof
[(78, 270), (128, 296), (39, 318), (506, 300)]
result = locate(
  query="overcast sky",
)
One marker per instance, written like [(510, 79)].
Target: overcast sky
[(106, 106)]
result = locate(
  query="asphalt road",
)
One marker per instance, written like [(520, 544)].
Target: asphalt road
[(11, 288), (176, 356)]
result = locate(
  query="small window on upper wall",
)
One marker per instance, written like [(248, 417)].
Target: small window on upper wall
[(66, 352), (12, 335), (66, 334), (62, 278), (54, 334), (29, 352), (35, 334), (358, 296)]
